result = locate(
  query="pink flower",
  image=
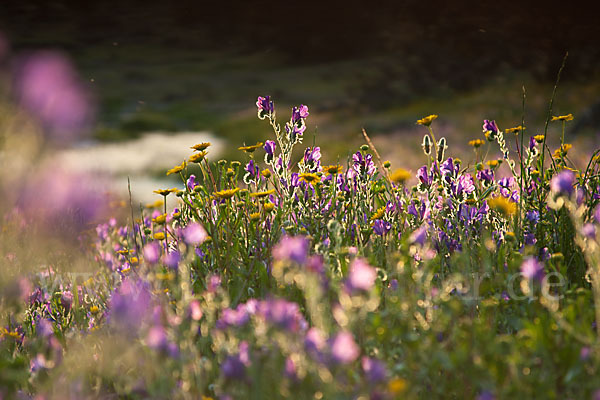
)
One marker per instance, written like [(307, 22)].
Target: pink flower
[(361, 275), (343, 349)]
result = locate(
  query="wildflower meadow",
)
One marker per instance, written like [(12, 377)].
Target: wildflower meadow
[(279, 276)]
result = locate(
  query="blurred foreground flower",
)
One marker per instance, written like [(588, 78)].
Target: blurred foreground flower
[(47, 85)]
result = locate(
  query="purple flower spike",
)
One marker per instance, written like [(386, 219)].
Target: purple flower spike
[(265, 106), (419, 236), (563, 182), (490, 126), (292, 249), (191, 182), (344, 349), (269, 148), (532, 269), (381, 227), (361, 275)]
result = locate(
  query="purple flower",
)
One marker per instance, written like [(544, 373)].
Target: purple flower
[(214, 282), (532, 269), (251, 172), (449, 168), (233, 317), (374, 370), (419, 236), (424, 176), (533, 216), (48, 86), (172, 258), (529, 239), (152, 252), (361, 275), (194, 233), (269, 151), (312, 157), (129, 305), (299, 113), (486, 176), (191, 182), (290, 370), (292, 248), (282, 313), (234, 366), (265, 106), (314, 341), (589, 230), (381, 227), (344, 349), (490, 126), (562, 183), (464, 185), (363, 164)]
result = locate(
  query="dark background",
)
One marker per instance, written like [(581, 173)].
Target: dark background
[(145, 59)]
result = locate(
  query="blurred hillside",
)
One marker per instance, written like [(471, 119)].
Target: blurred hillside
[(200, 65)]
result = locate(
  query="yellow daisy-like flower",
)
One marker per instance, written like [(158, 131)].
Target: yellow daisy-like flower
[(397, 386), (94, 309), (333, 169), (226, 194), (309, 177), (378, 214), (161, 219), (177, 169), (198, 157), (159, 236), (539, 138), (254, 216), (201, 146), (516, 130), (568, 117), (125, 251), (251, 149), (268, 206), (400, 175), (503, 205), (492, 163), (427, 120), (262, 194), (562, 150), (166, 192), (476, 143), (266, 173)]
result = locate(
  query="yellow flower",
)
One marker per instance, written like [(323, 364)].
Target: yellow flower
[(262, 194), (201, 146), (254, 216), (397, 386), (400, 175), (94, 309), (562, 150), (309, 177), (266, 173), (198, 157), (492, 163), (568, 117), (333, 169), (161, 219), (539, 138), (503, 205), (165, 192), (378, 214), (268, 206), (250, 149), (159, 236), (516, 130), (156, 204), (177, 169), (226, 194), (134, 260), (476, 143), (427, 120)]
